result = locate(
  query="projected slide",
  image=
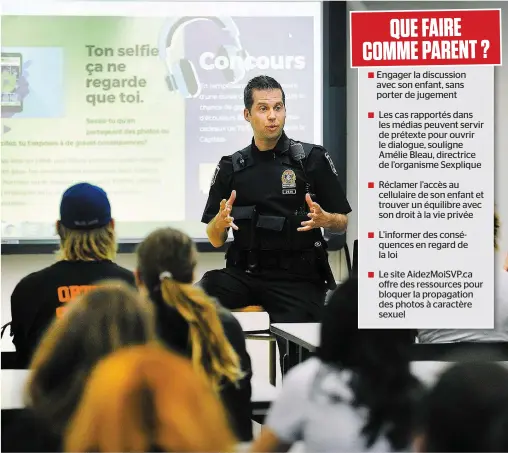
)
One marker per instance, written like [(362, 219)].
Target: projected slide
[(142, 101)]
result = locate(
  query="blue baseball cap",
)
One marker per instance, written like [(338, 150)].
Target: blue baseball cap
[(84, 207)]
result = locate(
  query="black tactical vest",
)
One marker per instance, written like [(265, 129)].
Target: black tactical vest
[(270, 202)]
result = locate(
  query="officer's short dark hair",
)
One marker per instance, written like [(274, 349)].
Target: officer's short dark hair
[(261, 82)]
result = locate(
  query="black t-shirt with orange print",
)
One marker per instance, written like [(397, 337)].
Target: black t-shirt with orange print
[(44, 294)]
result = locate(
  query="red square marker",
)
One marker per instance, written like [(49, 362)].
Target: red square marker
[(371, 185), (371, 75), (371, 274), (371, 235), (371, 114)]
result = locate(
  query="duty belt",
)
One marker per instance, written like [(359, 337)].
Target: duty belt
[(272, 259)]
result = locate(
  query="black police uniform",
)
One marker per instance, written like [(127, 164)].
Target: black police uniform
[(270, 263)]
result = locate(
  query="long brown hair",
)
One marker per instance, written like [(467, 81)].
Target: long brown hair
[(87, 245), (144, 398), (166, 262), (107, 318)]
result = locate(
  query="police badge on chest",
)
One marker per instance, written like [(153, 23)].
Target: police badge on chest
[(288, 182)]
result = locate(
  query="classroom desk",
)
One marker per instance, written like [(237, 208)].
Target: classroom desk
[(304, 335), (14, 383), (13, 388), (423, 356)]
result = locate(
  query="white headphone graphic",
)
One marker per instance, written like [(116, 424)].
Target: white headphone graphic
[(181, 75)]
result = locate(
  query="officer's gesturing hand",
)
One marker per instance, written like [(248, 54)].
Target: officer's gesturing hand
[(224, 219), (318, 216)]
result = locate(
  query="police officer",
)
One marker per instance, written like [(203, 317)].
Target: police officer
[(276, 195)]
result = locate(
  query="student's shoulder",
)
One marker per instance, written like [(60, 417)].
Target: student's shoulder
[(232, 327), (119, 268), (121, 272), (305, 372), (228, 320), (36, 278)]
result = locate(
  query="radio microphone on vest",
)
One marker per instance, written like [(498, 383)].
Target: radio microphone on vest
[(298, 155), (297, 152)]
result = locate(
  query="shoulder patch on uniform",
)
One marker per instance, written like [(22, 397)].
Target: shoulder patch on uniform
[(215, 173), (330, 161)]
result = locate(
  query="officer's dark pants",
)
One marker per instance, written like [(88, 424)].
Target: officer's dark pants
[(284, 300)]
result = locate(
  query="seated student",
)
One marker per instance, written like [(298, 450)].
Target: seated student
[(191, 322), (498, 433), (87, 250), (356, 395), (500, 332), (146, 398), (97, 323), (461, 410)]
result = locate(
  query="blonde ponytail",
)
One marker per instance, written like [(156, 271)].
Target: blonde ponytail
[(212, 354)]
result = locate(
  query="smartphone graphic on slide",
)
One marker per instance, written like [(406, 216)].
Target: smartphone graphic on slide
[(11, 73)]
